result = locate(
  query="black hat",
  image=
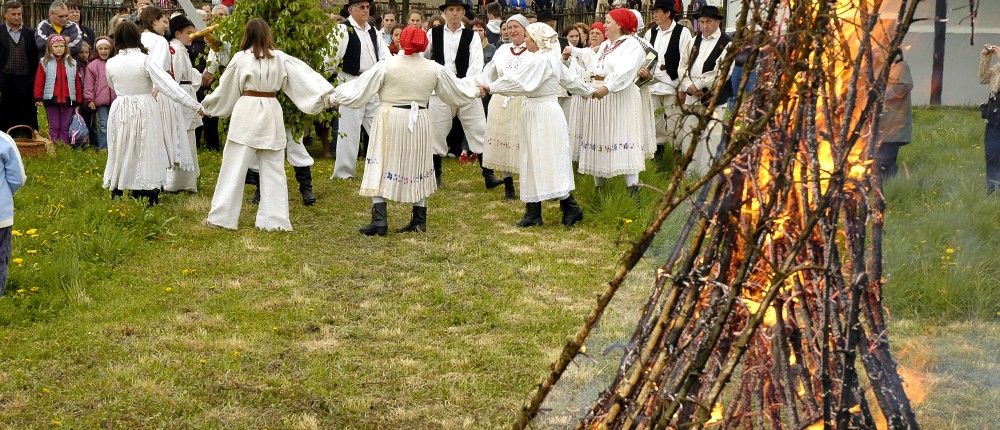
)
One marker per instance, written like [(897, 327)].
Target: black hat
[(178, 23), (710, 12), (665, 5), (545, 16), (455, 3), (350, 2)]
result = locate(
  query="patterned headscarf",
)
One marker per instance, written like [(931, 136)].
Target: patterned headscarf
[(600, 26), (413, 40), (625, 19), (544, 36)]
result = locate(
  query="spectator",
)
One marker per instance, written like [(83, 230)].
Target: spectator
[(519, 6), (87, 33), (597, 35), (96, 93), (434, 21), (701, 62), (123, 13), (59, 23), (58, 87), (18, 64), (896, 119), (388, 23), (394, 47), (415, 18), (12, 170), (139, 6), (572, 36), (493, 23), (989, 74)]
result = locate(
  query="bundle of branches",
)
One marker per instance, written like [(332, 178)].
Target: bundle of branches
[(301, 29), (773, 292)]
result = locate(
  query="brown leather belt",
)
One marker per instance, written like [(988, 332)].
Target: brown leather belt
[(598, 78), (249, 93), (663, 67)]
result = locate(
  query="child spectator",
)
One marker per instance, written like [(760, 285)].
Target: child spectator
[(96, 92), (58, 87), (12, 172)]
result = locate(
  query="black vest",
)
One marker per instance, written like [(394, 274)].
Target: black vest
[(351, 62), (727, 90), (461, 57), (672, 57)]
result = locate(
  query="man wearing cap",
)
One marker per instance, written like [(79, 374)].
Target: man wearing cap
[(701, 61), (667, 38), (18, 64), (358, 49), (459, 50)]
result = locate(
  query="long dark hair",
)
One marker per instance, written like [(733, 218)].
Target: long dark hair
[(127, 35), (257, 38), (149, 15)]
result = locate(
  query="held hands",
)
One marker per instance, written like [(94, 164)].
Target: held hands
[(206, 79), (600, 92), (483, 90), (156, 92), (331, 101), (694, 91)]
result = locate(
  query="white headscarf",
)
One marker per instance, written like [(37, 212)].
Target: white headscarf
[(520, 19), (638, 19), (544, 36)]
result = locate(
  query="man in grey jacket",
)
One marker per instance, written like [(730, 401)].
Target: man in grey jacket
[(59, 23)]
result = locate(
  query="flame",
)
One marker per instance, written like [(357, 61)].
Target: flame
[(717, 414)]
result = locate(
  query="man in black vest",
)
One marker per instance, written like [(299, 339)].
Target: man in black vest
[(18, 64), (667, 38), (358, 49), (701, 62), (459, 50)]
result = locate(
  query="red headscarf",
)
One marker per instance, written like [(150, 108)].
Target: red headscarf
[(625, 19), (413, 40), (600, 26)]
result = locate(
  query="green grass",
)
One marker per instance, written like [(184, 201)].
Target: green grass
[(124, 317)]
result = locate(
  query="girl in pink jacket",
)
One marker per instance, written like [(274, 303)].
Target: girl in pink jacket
[(96, 92)]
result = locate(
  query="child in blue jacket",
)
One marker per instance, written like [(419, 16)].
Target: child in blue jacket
[(12, 172)]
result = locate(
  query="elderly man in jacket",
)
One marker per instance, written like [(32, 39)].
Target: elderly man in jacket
[(59, 23)]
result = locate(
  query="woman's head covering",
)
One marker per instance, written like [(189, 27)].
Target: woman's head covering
[(413, 40), (625, 19), (520, 19), (600, 26), (639, 22), (544, 36)]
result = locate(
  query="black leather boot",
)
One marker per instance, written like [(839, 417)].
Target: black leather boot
[(438, 171), (532, 215), (380, 221), (488, 177), (304, 176), (571, 212), (253, 178), (117, 193), (418, 222), (508, 187)]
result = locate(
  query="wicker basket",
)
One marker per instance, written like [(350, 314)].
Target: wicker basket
[(35, 146)]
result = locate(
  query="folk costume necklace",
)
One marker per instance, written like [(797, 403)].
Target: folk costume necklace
[(610, 48), (517, 52)]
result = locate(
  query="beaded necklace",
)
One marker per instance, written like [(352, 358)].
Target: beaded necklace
[(518, 52), (611, 48)]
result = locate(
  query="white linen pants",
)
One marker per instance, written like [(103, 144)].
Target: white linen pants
[(295, 153), (272, 212), (351, 121), (473, 119), (668, 123), (710, 139)]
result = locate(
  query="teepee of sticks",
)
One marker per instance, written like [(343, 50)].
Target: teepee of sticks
[(772, 294)]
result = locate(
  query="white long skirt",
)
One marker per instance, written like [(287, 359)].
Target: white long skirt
[(546, 165), (138, 158), (399, 164), (612, 138), (504, 133), (175, 132), (573, 109)]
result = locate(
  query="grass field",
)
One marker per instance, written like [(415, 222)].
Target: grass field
[(118, 316)]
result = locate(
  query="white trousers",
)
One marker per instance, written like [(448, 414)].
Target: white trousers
[(272, 212), (710, 139), (668, 122), (351, 121), (473, 119), (295, 153), (185, 180)]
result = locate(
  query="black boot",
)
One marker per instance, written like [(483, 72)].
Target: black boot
[(153, 196), (570, 210), (508, 187), (380, 221), (437, 171), (304, 176), (488, 177), (532, 215), (418, 222), (253, 178), (117, 193)]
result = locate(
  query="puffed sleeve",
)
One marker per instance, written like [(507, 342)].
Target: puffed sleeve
[(453, 91), (358, 92), (166, 85), (629, 59), (220, 103), (304, 86), (488, 75), (159, 50), (525, 80)]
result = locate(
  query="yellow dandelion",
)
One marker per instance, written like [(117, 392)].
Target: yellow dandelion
[(202, 361), (21, 290), (110, 211), (168, 289), (628, 221), (185, 272), (56, 423), (45, 390), (34, 235), (15, 232), (18, 261), (236, 353), (32, 251), (34, 289), (949, 251), (31, 231)]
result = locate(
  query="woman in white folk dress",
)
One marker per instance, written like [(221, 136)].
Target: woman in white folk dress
[(188, 78), (155, 24), (247, 91), (610, 128), (399, 164), (546, 166), (579, 61), (138, 157), (501, 151)]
